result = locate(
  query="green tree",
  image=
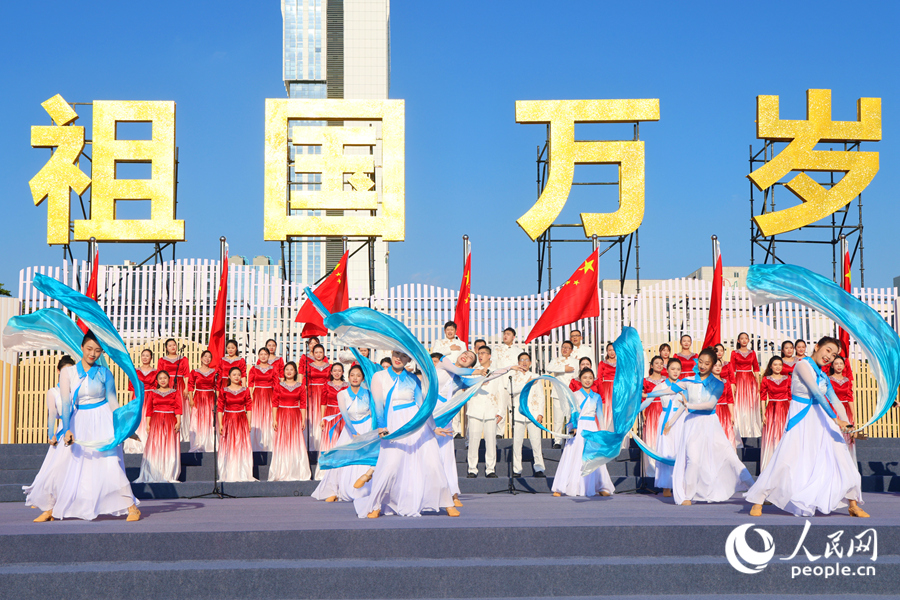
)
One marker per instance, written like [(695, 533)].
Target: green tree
[(4, 291)]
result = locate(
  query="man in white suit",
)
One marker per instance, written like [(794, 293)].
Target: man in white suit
[(520, 375)]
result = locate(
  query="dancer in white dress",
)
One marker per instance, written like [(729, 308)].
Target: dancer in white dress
[(44, 490), (409, 476), (811, 468), (706, 467), (568, 480), (670, 435), (95, 483), (564, 367), (353, 401)]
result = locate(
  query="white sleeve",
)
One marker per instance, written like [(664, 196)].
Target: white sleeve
[(805, 372), (556, 366), (52, 415)]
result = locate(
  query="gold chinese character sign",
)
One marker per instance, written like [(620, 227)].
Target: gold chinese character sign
[(108, 151), (859, 168), (341, 176), (566, 152)]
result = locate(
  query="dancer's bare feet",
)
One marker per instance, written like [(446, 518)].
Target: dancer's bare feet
[(374, 514), (605, 493), (557, 494), (456, 502), (331, 499), (686, 503), (366, 478), (756, 510), (133, 513), (452, 512), (667, 493), (45, 516), (856, 511)]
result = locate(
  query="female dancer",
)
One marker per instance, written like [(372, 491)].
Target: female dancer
[(262, 381), (162, 452), (843, 389), (332, 424), (746, 392), (607, 371), (775, 399), (178, 369), (276, 362), (653, 410), (235, 411), (147, 374), (317, 374), (95, 483), (706, 467), (43, 491), (788, 360), (354, 402), (725, 406), (231, 359), (290, 460), (202, 395), (671, 425), (811, 468), (409, 477), (687, 357), (568, 479)]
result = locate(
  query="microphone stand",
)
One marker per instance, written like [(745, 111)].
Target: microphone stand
[(216, 491), (511, 488)]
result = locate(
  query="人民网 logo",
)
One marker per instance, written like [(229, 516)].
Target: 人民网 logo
[(742, 557)]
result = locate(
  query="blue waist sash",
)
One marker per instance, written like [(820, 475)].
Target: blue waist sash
[(90, 406), (805, 410), (361, 421), (407, 405), (711, 411), (585, 418)]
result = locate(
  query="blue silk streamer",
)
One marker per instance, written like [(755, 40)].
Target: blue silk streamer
[(363, 327), (45, 329), (369, 369), (880, 344), (125, 418), (561, 390), (600, 447)]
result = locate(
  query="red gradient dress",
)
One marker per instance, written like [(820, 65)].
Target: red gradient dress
[(687, 365), (652, 413), (290, 460), (148, 378), (262, 381), (332, 422), (225, 365), (843, 389), (316, 378), (778, 394), (606, 376), (162, 451), (746, 393), (203, 385), (178, 370), (724, 408), (787, 368), (235, 455), (277, 363)]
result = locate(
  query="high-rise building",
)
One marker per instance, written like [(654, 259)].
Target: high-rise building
[(336, 49)]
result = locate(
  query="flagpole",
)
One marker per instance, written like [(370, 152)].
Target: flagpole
[(465, 249), (92, 254), (596, 243), (714, 238)]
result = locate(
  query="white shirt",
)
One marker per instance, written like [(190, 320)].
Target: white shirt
[(487, 403), (557, 368), (505, 356), (535, 398), (442, 347), (583, 351)]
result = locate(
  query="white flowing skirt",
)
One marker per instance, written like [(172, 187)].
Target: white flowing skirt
[(448, 459), (339, 482), (409, 477), (95, 483), (44, 490), (569, 480), (667, 445), (811, 468), (706, 467)]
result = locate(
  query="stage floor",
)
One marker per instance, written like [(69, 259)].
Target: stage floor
[(480, 510)]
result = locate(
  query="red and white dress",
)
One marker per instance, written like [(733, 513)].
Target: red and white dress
[(778, 394), (262, 382), (290, 460), (746, 393), (316, 378), (178, 369), (606, 375), (136, 446), (162, 451), (727, 374), (203, 386), (332, 422), (843, 389), (225, 364), (235, 455), (277, 363), (650, 429), (787, 368), (687, 365), (724, 409)]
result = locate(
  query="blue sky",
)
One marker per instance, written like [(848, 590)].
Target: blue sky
[(470, 168)]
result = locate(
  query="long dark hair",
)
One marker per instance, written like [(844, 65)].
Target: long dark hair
[(769, 372)]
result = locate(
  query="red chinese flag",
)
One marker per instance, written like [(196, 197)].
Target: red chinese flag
[(578, 298), (91, 288), (217, 331), (461, 317), (713, 327), (333, 294), (843, 336)]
